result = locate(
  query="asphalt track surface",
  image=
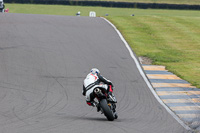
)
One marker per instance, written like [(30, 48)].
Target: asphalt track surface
[(43, 62)]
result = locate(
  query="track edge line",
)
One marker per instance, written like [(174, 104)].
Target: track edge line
[(145, 78)]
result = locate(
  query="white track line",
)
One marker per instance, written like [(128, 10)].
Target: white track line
[(145, 78)]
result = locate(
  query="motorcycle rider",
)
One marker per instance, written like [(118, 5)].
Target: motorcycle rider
[(92, 81)]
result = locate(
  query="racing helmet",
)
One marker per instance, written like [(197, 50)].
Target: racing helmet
[(95, 71)]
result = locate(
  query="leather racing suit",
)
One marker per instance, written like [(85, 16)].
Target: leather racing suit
[(93, 81)]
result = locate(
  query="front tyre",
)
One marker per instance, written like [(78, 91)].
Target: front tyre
[(106, 109)]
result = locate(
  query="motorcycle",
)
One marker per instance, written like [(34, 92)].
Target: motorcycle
[(106, 103)]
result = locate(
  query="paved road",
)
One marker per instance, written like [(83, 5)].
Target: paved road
[(43, 61)]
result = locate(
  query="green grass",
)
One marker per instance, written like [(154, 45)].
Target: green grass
[(169, 37), (172, 41), (189, 2)]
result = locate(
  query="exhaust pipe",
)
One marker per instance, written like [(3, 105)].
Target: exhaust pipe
[(97, 91)]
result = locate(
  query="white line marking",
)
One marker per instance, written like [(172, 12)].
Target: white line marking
[(145, 78)]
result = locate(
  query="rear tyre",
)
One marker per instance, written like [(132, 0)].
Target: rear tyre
[(106, 109)]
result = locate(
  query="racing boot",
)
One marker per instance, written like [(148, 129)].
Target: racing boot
[(114, 111), (115, 115), (111, 97)]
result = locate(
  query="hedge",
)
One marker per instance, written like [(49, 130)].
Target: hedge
[(108, 4)]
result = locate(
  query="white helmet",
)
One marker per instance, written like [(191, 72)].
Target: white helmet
[(95, 71)]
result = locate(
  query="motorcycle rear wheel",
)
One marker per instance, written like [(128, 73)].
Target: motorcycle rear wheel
[(106, 109)]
